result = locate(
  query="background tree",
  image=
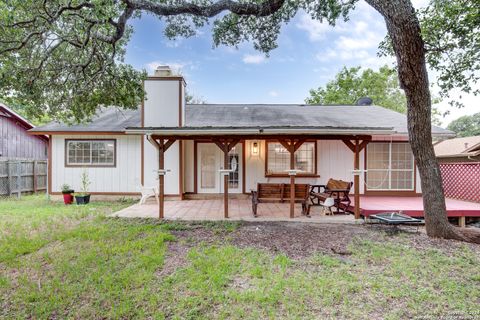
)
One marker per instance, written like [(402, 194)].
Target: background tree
[(466, 126), (451, 34), (66, 59), (354, 83)]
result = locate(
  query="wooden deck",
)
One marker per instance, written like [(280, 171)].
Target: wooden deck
[(239, 209), (413, 206)]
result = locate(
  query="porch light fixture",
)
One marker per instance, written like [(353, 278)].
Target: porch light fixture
[(255, 148)]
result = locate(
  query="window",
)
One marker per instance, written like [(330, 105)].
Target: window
[(96, 153), (390, 166), (234, 177), (278, 158)]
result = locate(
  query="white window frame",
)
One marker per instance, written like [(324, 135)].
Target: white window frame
[(390, 170), (270, 173), (90, 164)]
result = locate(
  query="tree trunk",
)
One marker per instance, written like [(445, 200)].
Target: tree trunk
[(404, 30)]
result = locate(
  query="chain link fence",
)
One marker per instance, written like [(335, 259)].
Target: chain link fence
[(18, 176)]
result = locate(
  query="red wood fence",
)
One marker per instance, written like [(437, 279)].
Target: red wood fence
[(461, 180)]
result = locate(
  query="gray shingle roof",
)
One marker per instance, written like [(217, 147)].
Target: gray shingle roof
[(107, 120), (253, 115)]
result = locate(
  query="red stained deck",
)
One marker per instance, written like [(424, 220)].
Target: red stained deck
[(413, 206)]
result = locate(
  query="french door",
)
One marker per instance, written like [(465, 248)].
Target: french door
[(209, 163)]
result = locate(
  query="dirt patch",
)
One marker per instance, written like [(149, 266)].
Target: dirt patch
[(299, 240)]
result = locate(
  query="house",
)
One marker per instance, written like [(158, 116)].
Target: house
[(183, 147), (466, 149), (15, 142)]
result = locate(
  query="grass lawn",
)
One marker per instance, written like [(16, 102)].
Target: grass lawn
[(62, 262)]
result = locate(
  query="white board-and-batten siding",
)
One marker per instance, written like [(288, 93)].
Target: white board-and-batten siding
[(334, 160), (124, 177)]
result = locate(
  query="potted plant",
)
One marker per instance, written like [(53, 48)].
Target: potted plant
[(83, 197), (67, 194)]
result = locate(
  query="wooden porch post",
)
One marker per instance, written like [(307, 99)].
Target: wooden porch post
[(292, 180), (161, 179), (356, 179), (356, 148), (225, 182), (225, 146), (162, 147), (292, 146)]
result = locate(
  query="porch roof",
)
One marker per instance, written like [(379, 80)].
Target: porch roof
[(260, 131)]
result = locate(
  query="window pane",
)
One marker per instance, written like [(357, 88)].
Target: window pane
[(305, 157), (91, 152), (377, 180), (278, 161), (278, 158), (390, 166), (378, 156), (402, 157)]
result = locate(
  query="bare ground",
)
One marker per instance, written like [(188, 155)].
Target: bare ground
[(300, 240)]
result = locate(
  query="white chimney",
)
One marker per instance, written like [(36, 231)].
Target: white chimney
[(164, 106), (163, 71)]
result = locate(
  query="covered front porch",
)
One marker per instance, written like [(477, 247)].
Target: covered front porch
[(224, 141)]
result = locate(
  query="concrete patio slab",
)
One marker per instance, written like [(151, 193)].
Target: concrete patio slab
[(239, 209)]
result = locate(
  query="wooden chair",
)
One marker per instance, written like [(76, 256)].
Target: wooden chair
[(280, 192), (337, 189)]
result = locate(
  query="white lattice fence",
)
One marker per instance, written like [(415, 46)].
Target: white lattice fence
[(461, 180)]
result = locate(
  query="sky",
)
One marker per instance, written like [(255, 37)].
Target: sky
[(309, 54)]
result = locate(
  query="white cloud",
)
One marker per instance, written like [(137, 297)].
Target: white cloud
[(273, 93), (253, 58), (316, 30), (360, 40)]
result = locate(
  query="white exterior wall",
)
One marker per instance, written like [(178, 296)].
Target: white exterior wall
[(124, 177), (161, 109), (189, 166), (334, 160)]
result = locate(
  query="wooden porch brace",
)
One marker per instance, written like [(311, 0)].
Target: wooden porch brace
[(356, 147), (292, 146), (162, 145), (225, 146)]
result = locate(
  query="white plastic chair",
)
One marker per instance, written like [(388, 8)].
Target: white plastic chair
[(148, 192), (327, 205)]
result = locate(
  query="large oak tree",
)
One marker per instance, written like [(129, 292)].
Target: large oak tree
[(64, 57)]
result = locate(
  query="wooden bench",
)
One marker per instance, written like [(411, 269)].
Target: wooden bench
[(280, 192), (337, 189)]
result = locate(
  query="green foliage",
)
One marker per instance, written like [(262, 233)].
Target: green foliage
[(66, 187), (466, 126), (451, 31), (64, 59), (53, 60), (85, 181), (354, 83)]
